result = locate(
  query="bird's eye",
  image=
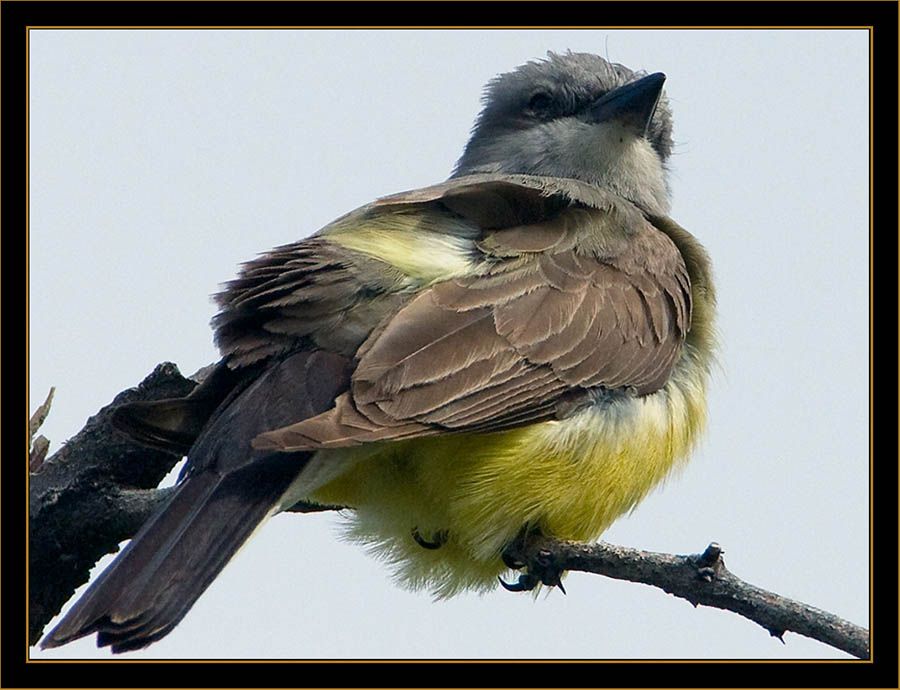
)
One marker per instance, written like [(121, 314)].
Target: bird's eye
[(540, 102)]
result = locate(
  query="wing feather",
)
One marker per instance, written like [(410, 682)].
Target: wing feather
[(541, 323), (305, 295)]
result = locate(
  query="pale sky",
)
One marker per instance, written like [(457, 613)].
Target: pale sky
[(161, 159)]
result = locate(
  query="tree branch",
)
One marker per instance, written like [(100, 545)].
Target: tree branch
[(100, 487), (93, 493), (702, 579)]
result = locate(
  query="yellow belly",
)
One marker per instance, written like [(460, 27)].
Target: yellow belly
[(570, 478)]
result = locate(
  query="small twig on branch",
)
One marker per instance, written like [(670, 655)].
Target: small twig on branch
[(40, 445), (702, 579), (40, 414)]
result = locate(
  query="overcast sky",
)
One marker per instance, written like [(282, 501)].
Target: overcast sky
[(159, 160)]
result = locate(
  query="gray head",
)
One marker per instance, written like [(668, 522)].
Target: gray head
[(559, 117)]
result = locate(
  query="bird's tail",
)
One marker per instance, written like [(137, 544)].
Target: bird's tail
[(174, 557), (226, 492)]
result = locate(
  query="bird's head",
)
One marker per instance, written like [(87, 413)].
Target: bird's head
[(578, 116)]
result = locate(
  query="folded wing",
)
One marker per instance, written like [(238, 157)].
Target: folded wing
[(557, 311)]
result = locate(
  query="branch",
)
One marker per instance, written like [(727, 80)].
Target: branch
[(100, 488), (93, 493), (702, 579)]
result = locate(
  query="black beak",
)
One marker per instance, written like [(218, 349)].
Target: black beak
[(632, 104)]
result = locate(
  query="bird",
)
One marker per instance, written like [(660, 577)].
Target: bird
[(521, 350)]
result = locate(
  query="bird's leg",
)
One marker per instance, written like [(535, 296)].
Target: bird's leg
[(539, 564), (440, 538)]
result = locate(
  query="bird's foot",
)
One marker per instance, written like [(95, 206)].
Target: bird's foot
[(539, 563), (438, 539)]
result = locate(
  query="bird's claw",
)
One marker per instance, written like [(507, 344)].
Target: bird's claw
[(525, 583), (439, 538), (542, 570)]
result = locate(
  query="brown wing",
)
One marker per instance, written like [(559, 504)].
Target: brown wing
[(546, 320), (306, 295), (318, 294)]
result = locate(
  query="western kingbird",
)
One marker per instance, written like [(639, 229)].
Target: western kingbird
[(521, 349)]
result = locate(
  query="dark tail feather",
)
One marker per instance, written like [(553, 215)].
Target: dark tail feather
[(226, 491), (175, 424), (171, 425), (156, 579)]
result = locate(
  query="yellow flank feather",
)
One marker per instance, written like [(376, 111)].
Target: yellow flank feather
[(406, 242), (571, 478)]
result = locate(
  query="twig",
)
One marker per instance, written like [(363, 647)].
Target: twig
[(40, 445), (702, 579), (40, 414)]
